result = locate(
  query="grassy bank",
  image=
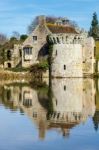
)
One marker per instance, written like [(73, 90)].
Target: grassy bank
[(10, 75)]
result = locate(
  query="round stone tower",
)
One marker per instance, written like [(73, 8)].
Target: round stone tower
[(67, 55)]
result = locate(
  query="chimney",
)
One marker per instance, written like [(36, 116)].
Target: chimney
[(42, 20)]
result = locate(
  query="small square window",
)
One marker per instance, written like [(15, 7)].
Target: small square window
[(34, 38)]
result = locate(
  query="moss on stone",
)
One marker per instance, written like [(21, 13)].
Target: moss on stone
[(97, 50)]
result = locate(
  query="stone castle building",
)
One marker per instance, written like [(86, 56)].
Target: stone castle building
[(73, 50)]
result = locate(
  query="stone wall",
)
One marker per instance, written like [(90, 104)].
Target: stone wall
[(89, 56), (73, 55), (15, 56), (41, 32), (67, 56)]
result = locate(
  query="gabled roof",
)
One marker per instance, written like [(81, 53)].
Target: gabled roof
[(61, 29)]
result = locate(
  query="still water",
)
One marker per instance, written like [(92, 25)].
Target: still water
[(61, 116)]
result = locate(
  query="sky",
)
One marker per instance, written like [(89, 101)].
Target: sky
[(16, 15)]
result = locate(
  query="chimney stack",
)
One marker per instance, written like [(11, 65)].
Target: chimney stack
[(42, 20)]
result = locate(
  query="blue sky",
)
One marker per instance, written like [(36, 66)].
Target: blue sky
[(16, 15)]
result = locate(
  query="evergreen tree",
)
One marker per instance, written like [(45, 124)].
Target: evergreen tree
[(94, 29)]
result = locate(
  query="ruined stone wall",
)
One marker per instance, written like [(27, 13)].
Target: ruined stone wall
[(88, 56), (15, 56), (9, 61)]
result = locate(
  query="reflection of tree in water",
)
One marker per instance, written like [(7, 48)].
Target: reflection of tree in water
[(50, 102), (45, 95), (96, 120), (96, 115), (8, 94), (7, 99)]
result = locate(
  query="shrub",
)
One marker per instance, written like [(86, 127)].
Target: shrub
[(40, 67)]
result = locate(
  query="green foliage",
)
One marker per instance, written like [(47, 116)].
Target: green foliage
[(13, 39), (18, 69), (44, 65), (95, 19), (40, 67), (23, 37), (94, 29), (9, 45), (50, 58)]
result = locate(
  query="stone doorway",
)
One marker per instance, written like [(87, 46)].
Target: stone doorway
[(9, 65)]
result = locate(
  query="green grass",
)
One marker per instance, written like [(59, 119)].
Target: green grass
[(18, 69)]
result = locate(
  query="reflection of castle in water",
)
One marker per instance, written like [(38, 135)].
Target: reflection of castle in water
[(96, 115), (71, 103)]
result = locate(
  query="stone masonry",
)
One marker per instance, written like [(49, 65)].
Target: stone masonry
[(73, 51)]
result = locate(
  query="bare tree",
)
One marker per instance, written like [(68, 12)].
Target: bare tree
[(3, 38), (32, 25), (35, 22), (16, 35), (49, 19)]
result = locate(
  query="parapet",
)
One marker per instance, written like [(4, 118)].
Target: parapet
[(65, 39)]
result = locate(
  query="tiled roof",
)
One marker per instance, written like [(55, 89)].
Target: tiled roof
[(61, 29)]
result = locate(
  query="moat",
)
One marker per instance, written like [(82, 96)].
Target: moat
[(61, 115)]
